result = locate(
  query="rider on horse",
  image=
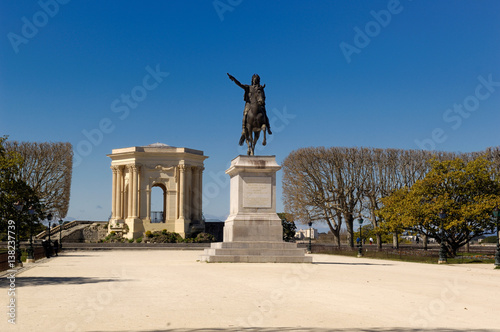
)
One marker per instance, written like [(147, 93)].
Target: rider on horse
[(248, 90)]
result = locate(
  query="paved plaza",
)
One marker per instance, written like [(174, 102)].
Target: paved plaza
[(169, 290)]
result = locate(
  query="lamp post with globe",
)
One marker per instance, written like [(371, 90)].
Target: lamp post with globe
[(496, 214), (360, 248), (19, 208)]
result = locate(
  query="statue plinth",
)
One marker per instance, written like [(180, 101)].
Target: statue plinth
[(253, 200), (253, 231)]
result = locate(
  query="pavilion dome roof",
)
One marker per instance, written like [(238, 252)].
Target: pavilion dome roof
[(158, 145)]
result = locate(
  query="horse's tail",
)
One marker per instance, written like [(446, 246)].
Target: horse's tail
[(242, 139)]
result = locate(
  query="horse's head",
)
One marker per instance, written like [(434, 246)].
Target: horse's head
[(257, 95), (261, 98)]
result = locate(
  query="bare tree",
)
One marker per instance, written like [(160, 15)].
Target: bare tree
[(47, 169), (335, 185), (308, 181)]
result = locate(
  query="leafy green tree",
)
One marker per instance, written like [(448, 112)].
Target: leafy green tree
[(47, 168), (289, 227), (466, 192), (14, 190)]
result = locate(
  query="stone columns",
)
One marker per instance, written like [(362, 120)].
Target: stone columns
[(148, 204), (129, 191), (182, 181), (117, 196), (188, 200), (134, 188), (119, 193), (134, 191), (138, 192), (114, 194), (197, 192)]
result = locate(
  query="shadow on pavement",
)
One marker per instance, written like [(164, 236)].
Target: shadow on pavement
[(310, 329), (51, 281), (75, 255), (337, 263)]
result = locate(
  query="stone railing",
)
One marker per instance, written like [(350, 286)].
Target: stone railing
[(65, 226)]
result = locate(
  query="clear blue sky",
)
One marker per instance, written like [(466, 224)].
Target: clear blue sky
[(327, 84)]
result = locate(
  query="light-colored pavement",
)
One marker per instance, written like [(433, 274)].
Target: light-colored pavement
[(151, 290)]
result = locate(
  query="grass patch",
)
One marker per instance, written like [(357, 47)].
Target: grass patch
[(415, 256)]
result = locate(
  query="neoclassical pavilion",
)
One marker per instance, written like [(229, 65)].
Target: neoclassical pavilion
[(179, 174)]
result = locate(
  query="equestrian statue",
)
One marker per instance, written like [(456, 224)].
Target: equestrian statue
[(255, 117)]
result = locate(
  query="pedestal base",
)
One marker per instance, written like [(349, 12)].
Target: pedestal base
[(253, 227), (135, 228), (255, 252), (253, 232)]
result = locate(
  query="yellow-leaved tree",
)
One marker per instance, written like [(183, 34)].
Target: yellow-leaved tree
[(453, 203)]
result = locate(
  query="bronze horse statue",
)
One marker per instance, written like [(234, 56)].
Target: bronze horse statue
[(255, 117)]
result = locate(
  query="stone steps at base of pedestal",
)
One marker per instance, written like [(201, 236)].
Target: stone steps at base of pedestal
[(254, 245), (254, 252), (255, 259)]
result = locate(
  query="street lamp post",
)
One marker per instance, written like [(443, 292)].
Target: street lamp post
[(31, 257), (60, 230), (49, 218), (49, 245), (442, 251), (309, 248), (496, 214), (19, 207), (360, 248)]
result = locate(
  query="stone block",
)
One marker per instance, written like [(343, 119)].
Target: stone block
[(253, 232)]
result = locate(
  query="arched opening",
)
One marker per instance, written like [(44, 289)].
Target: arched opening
[(158, 203)]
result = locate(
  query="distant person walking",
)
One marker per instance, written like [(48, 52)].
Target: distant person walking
[(371, 240), (56, 247), (47, 248)]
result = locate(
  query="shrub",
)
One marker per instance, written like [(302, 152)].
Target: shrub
[(139, 240), (113, 237), (490, 239), (164, 237), (131, 241), (204, 238), (148, 234)]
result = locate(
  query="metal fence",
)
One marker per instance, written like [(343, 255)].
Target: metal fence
[(38, 253), (157, 217)]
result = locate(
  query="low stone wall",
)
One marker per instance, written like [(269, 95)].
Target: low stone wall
[(94, 232), (135, 246), (76, 236), (90, 233)]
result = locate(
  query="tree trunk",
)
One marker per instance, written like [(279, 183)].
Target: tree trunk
[(379, 241), (350, 230), (395, 242), (336, 235), (452, 250), (425, 241)]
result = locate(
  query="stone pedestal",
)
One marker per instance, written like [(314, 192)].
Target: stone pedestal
[(253, 232)]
